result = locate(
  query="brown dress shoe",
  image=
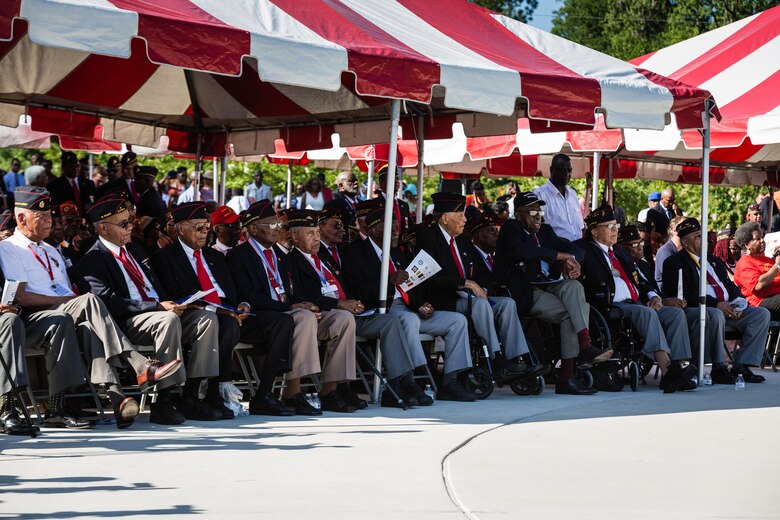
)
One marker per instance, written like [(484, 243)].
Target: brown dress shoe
[(126, 412), (154, 372)]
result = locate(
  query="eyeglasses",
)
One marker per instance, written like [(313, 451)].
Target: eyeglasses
[(613, 226), (276, 226), (534, 212), (203, 227), (637, 245), (123, 224)]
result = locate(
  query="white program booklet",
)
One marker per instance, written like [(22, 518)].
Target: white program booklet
[(9, 292), (420, 269)]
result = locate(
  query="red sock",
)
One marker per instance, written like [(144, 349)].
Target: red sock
[(567, 369), (584, 337)]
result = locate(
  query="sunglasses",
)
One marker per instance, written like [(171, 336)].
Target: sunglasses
[(203, 227), (534, 212), (637, 245), (610, 226), (124, 224), (276, 226)]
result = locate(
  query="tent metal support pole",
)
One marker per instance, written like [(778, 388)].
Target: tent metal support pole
[(594, 196), (223, 181), (609, 194), (198, 166), (705, 202), (395, 116), (420, 166), (289, 183), (370, 181)]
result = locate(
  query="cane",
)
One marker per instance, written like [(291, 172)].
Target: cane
[(383, 379)]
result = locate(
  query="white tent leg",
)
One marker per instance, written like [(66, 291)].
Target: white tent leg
[(370, 181), (289, 183), (395, 116), (594, 196), (420, 165), (198, 167), (223, 181), (705, 202)]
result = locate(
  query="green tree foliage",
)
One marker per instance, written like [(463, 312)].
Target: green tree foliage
[(518, 9)]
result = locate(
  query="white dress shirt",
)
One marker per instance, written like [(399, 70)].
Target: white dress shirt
[(711, 271), (187, 195), (131, 288), (447, 239), (222, 248), (622, 293), (562, 213), (193, 262), (378, 251), (253, 192), (20, 264)]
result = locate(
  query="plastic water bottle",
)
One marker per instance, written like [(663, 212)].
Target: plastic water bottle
[(429, 392), (315, 398), (310, 400), (707, 379), (739, 384)]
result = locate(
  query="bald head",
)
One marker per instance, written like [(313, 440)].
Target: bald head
[(347, 182)]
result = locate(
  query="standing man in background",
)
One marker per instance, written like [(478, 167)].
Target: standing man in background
[(563, 208)]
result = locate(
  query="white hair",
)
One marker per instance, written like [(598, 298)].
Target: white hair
[(32, 173)]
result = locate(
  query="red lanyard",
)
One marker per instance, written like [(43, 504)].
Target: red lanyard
[(47, 265)]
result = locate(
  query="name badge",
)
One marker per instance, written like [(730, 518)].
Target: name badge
[(330, 290), (59, 290)]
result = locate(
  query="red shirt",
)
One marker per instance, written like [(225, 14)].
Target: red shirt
[(746, 274)]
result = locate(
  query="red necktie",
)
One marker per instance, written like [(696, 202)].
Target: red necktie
[(397, 212), (535, 239), (335, 254), (403, 293), (136, 276), (489, 259), (205, 281), (77, 195), (456, 257), (715, 287), (329, 277), (623, 276)]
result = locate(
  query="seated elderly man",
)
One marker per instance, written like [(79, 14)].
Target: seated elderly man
[(45, 291), (187, 267), (495, 319), (725, 304), (663, 328), (266, 285), (540, 269), (315, 282), (118, 272), (363, 263), (757, 275)]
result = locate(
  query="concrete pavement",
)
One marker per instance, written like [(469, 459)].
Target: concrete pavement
[(703, 454)]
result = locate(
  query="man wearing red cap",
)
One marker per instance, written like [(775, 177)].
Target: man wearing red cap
[(118, 273), (227, 229), (186, 267)]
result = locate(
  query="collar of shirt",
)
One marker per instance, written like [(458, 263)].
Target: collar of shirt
[(378, 251), (447, 236), (22, 240), (222, 248), (483, 254), (191, 257), (110, 246), (280, 246), (187, 250)]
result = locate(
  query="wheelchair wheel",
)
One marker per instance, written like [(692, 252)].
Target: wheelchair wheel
[(586, 378), (534, 386), (633, 375), (480, 382), (600, 335)]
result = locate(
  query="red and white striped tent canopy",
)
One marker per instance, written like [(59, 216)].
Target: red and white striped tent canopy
[(738, 63), (249, 72)]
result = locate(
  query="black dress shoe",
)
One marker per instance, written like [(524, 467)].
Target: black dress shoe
[(12, 424), (591, 355), (678, 378), (455, 392), (747, 374), (572, 386), (332, 402), (388, 401), (164, 412), (267, 404), (419, 395), (219, 405), (301, 405), (196, 410), (126, 412), (349, 396), (66, 419), (722, 376)]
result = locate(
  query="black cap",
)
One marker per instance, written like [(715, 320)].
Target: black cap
[(599, 216), (69, 159), (32, 197), (147, 171), (7, 220), (629, 233), (364, 207), (105, 208), (445, 202), (376, 216), (113, 163), (302, 218), (527, 198), (687, 226), (478, 224), (258, 210), (189, 211), (129, 159), (328, 213)]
